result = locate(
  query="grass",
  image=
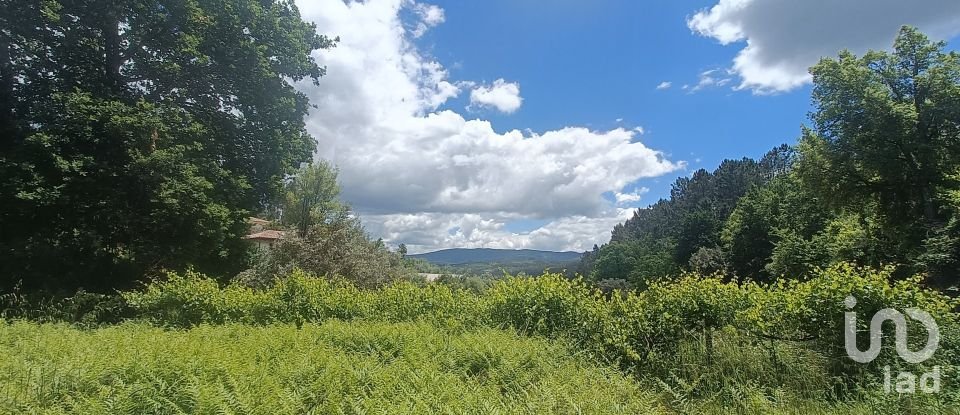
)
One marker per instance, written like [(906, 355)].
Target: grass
[(543, 345), (331, 368)]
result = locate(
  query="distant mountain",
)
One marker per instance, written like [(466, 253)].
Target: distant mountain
[(458, 256)]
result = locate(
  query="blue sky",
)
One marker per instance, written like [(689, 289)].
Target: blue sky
[(513, 124), (592, 63)]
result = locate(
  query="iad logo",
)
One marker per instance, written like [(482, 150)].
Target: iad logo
[(906, 382)]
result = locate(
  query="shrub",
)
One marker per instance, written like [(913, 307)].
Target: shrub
[(180, 300), (83, 308), (656, 331), (655, 321), (550, 305), (405, 301), (812, 312)]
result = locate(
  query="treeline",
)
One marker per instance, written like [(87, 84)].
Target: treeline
[(874, 181)]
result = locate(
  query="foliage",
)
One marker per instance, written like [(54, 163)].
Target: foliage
[(549, 305), (335, 367), (83, 308), (311, 198), (813, 310), (873, 181), (137, 136), (324, 237), (700, 342), (886, 136), (661, 239), (340, 247)]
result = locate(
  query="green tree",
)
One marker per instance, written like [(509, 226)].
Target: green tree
[(768, 218), (312, 197), (887, 134), (137, 135)]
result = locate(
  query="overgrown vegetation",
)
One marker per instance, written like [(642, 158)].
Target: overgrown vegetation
[(690, 344), (781, 344), (873, 181), (331, 368), (130, 155)]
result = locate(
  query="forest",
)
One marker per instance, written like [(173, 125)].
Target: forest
[(138, 139)]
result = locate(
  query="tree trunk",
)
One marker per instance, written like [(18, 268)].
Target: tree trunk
[(8, 122), (112, 59)]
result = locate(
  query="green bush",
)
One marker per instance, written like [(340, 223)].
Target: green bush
[(180, 300), (813, 311), (83, 308), (550, 305), (438, 303)]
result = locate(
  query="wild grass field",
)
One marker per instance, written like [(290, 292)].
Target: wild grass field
[(543, 344), (330, 368)]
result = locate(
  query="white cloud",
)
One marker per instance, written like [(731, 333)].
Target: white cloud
[(414, 172), (632, 197), (502, 95), (664, 85), (713, 78), (424, 232), (783, 38), (430, 16)]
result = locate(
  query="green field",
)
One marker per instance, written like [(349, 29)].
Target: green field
[(187, 345), (331, 368)]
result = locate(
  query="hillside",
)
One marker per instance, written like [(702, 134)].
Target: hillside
[(458, 256)]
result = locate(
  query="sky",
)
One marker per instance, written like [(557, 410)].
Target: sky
[(540, 125)]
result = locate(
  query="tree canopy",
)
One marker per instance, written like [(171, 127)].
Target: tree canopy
[(137, 136)]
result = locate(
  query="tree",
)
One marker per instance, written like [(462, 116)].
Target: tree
[(671, 231), (339, 247), (634, 261), (887, 133), (325, 238), (137, 136), (312, 198), (402, 250)]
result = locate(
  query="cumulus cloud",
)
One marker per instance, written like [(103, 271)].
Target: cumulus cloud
[(423, 232), (414, 171), (664, 85), (783, 38), (502, 95)]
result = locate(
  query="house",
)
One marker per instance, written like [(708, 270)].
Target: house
[(264, 240), (260, 236)]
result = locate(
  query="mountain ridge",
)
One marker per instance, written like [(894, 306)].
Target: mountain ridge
[(454, 256)]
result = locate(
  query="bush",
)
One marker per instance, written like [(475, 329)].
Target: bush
[(83, 308), (405, 301), (813, 311), (655, 321), (550, 305)]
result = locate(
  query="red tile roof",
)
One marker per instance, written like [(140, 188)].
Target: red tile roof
[(267, 235)]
